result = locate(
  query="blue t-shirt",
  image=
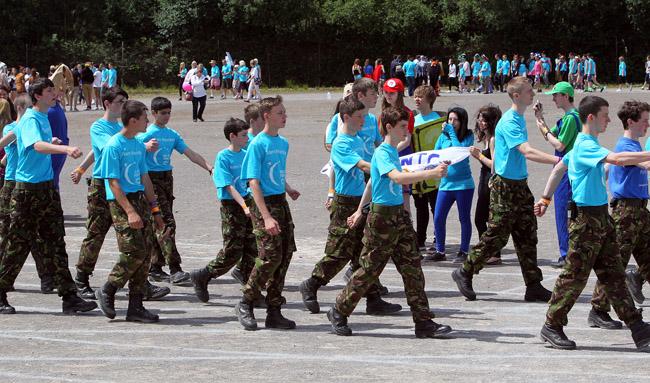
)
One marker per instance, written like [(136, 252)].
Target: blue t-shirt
[(347, 151), (522, 69), (250, 139), (369, 134), (409, 68), (214, 71), (104, 75), (461, 71), (486, 69), (227, 172), (226, 71), (168, 141), (573, 68), (100, 132), (476, 68), (628, 181), (499, 67), (546, 64), (368, 69), (587, 171), (505, 69), (266, 161), (592, 67), (123, 159), (622, 69), (384, 190), (243, 73), (58, 123), (10, 152), (510, 133), (112, 77), (459, 175), (32, 166)]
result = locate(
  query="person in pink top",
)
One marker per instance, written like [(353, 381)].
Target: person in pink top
[(537, 72)]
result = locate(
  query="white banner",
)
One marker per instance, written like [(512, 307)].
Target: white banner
[(422, 160)]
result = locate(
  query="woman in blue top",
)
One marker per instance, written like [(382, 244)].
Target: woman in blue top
[(457, 186)]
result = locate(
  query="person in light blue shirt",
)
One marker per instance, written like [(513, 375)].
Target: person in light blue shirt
[(593, 233), (622, 74), (389, 233), (409, 73), (242, 72), (215, 77), (236, 227), (111, 80), (132, 203), (485, 75), (160, 172), (476, 69), (457, 186), (505, 73), (513, 214), (226, 79)]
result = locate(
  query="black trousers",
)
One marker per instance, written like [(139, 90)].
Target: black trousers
[(198, 102), (424, 203)]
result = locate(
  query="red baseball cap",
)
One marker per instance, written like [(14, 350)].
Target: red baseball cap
[(393, 85)]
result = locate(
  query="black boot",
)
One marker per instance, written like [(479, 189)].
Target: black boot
[(430, 329), (537, 293), (47, 284), (200, 279), (598, 318), (634, 283), (157, 274), (377, 306), (339, 322), (275, 319), (72, 304), (238, 276), (463, 281), (106, 299), (83, 285), (245, 315), (641, 334), (153, 292), (556, 337), (177, 275), (383, 290), (137, 312), (5, 307), (308, 289)]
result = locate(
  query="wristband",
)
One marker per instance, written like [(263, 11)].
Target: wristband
[(155, 210), (243, 206), (546, 201), (330, 193), (80, 170), (481, 156)]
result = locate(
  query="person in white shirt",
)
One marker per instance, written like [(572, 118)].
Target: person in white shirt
[(97, 85), (198, 81), (452, 75), (255, 79)]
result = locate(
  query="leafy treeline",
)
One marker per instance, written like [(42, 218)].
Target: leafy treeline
[(313, 41)]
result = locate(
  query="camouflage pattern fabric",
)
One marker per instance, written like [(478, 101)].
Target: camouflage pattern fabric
[(238, 241), (388, 234), (165, 250), (511, 213), (632, 224), (36, 214), (134, 244), (274, 252), (98, 223), (592, 245)]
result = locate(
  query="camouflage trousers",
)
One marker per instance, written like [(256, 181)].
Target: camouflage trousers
[(511, 213), (238, 241), (388, 234), (274, 252), (98, 223), (592, 245), (134, 244), (632, 224), (165, 250), (36, 213), (5, 219)]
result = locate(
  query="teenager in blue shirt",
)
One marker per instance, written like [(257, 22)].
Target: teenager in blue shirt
[(409, 72), (389, 233), (511, 202), (215, 77), (264, 167), (226, 79), (132, 203), (593, 234), (37, 212), (622, 74)]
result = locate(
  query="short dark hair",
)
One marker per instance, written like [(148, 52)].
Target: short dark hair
[(268, 103), (234, 126), (251, 112), (111, 94), (132, 109), (160, 103), (349, 106), (590, 105), (38, 87), (632, 110), (392, 116)]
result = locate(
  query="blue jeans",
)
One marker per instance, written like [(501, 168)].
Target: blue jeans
[(445, 200), (562, 196), (410, 81)]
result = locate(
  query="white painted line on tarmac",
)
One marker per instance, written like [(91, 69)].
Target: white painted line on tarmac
[(58, 378)]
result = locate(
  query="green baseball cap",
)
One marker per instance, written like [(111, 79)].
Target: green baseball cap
[(562, 87)]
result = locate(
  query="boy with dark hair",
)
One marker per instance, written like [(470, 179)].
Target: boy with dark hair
[(264, 167), (160, 173), (236, 227), (344, 244), (593, 236), (511, 202), (388, 233), (132, 201), (36, 204)]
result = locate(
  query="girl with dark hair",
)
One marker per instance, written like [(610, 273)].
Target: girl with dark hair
[(356, 69), (457, 186), (486, 121)]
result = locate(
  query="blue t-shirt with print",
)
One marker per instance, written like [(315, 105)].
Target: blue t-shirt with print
[(168, 141), (32, 166), (587, 171), (11, 153), (384, 190), (459, 175), (214, 71), (347, 151), (505, 69), (123, 159), (628, 181), (243, 73), (266, 161), (227, 172), (100, 132), (510, 133), (369, 134)]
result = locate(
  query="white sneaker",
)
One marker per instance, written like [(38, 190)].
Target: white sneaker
[(618, 90)]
